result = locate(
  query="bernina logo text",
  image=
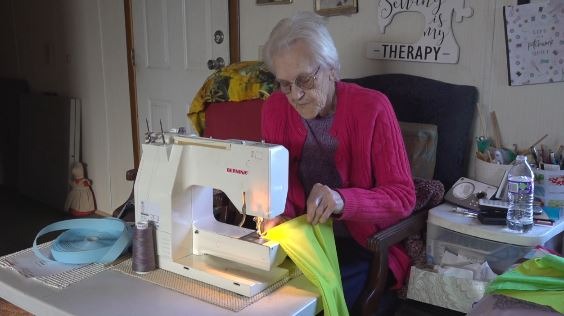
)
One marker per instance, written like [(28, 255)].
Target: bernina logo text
[(237, 171)]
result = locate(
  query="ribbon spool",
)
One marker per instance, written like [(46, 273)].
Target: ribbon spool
[(143, 248), (86, 240)]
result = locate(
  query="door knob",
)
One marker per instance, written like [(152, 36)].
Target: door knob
[(216, 64), (218, 37)]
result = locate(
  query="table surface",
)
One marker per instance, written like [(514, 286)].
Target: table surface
[(114, 293), (443, 216)]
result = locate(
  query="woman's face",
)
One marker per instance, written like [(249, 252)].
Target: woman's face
[(309, 87)]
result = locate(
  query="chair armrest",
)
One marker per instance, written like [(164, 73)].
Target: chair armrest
[(131, 174), (392, 235), (120, 211), (370, 298)]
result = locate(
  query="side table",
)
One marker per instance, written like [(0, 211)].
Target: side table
[(467, 237), (443, 216)]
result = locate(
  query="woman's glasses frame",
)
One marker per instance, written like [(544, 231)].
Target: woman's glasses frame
[(302, 81)]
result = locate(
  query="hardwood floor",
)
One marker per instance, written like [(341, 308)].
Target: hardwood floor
[(8, 309)]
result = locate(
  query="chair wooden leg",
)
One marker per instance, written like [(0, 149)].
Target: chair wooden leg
[(370, 299)]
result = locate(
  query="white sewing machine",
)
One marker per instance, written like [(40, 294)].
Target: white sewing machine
[(174, 189)]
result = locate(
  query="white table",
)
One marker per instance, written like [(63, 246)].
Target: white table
[(114, 293), (443, 216)]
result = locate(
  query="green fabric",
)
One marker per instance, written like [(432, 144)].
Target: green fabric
[(312, 248), (539, 280)]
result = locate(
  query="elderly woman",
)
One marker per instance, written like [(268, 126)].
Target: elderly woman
[(347, 156)]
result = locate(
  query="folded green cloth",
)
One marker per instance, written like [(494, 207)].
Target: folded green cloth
[(312, 248), (539, 280)]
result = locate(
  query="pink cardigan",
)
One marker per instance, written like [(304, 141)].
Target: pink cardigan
[(377, 187)]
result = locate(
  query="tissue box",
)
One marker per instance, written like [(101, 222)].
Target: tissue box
[(549, 187), (446, 291)]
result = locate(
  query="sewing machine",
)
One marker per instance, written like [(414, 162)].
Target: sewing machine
[(174, 190)]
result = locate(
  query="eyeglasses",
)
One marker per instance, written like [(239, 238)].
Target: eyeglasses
[(302, 81)]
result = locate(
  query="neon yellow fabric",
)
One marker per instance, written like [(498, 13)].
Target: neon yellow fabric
[(539, 280), (312, 248), (246, 80)]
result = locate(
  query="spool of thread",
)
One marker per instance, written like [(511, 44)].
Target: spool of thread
[(143, 248)]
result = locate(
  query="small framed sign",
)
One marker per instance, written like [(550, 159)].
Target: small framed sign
[(437, 43), (336, 7)]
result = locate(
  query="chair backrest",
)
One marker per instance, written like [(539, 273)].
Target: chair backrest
[(448, 106), (234, 120)]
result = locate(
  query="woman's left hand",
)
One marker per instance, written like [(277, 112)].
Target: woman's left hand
[(322, 202)]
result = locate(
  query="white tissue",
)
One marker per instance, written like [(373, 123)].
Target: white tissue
[(461, 267), (455, 272)]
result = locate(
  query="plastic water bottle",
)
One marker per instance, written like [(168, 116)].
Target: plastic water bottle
[(520, 191)]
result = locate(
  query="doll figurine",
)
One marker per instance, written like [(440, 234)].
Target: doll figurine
[(80, 201)]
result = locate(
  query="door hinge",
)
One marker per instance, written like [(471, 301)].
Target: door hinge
[(132, 57)]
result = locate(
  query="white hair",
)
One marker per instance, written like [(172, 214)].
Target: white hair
[(310, 28)]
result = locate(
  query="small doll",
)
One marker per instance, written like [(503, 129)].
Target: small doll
[(80, 201)]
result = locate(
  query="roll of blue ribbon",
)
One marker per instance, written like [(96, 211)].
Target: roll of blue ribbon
[(87, 240)]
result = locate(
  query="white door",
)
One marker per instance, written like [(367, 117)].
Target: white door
[(173, 42)]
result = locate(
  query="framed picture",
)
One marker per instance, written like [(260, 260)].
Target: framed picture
[(261, 2), (336, 7)]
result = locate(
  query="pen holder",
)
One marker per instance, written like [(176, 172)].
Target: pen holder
[(490, 173)]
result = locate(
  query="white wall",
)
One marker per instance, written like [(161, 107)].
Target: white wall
[(524, 113), (77, 48)]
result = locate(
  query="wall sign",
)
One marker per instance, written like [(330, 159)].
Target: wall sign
[(437, 45), (535, 42)]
